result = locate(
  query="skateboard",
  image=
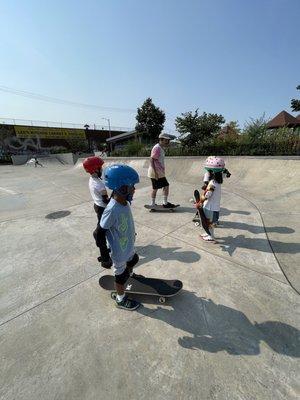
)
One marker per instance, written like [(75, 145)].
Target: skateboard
[(200, 212), (160, 208), (139, 284)]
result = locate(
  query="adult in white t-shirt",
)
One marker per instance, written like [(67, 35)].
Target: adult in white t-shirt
[(93, 165), (157, 172)]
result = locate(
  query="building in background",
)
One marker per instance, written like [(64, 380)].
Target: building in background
[(32, 137), (283, 120)]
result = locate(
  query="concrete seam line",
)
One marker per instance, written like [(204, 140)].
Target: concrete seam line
[(50, 298), (269, 241), (242, 266), (71, 287)]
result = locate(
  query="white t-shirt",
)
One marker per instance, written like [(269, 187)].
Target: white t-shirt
[(206, 177), (97, 189), (158, 156), (214, 201)]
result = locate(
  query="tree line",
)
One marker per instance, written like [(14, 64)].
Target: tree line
[(203, 133)]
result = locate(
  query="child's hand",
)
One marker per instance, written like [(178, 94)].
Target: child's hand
[(198, 204)]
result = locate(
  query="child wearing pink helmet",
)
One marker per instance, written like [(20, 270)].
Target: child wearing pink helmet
[(212, 196), (209, 175)]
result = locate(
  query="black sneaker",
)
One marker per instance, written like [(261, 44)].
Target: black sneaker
[(168, 205), (128, 304)]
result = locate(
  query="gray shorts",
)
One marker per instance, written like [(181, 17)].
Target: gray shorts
[(119, 268), (208, 213)]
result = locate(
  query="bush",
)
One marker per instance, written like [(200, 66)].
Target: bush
[(280, 142), (131, 149)]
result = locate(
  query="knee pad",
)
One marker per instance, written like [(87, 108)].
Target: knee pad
[(134, 261)]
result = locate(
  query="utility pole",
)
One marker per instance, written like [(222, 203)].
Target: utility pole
[(109, 130)]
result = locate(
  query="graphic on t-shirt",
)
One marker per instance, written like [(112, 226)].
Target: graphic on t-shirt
[(123, 227)]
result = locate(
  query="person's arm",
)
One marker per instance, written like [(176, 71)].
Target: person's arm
[(154, 156), (153, 166), (108, 218), (104, 196), (209, 192)]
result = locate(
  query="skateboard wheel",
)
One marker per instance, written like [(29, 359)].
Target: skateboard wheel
[(152, 210), (113, 295), (162, 299), (197, 224)]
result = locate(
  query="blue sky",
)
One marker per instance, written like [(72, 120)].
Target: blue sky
[(240, 58)]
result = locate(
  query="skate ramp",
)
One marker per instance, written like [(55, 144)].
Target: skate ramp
[(231, 333), (270, 186)]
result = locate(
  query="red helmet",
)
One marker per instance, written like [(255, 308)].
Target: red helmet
[(92, 164)]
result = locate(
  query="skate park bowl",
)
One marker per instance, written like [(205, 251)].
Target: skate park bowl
[(232, 333)]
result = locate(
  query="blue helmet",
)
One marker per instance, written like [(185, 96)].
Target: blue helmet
[(118, 175)]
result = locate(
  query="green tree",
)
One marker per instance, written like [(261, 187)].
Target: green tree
[(295, 104), (256, 129), (198, 128), (150, 120)]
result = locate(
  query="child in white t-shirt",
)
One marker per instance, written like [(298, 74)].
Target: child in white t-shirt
[(212, 202), (208, 176), (93, 165)]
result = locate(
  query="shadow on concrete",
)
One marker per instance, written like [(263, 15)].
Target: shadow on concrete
[(179, 210), (214, 327), (153, 252), (58, 214), (231, 243), (185, 210), (225, 212), (255, 228)]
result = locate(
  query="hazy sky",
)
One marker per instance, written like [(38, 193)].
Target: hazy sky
[(239, 58)]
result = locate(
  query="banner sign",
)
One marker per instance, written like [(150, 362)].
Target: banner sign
[(48, 133)]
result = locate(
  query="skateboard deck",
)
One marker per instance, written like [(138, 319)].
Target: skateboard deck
[(160, 208), (202, 217), (139, 284)]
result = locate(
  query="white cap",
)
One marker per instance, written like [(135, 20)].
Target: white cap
[(164, 136)]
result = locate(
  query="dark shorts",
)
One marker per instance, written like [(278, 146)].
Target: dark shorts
[(159, 183)]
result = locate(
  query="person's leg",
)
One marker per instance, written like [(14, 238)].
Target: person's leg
[(165, 191), (216, 217), (131, 263), (165, 186), (122, 301), (100, 239), (207, 226), (153, 196)]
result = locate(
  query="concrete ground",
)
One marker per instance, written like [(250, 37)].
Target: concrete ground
[(232, 333)]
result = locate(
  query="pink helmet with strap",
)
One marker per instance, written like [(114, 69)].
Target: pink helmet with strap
[(215, 164)]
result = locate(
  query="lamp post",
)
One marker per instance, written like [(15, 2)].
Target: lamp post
[(109, 131), (108, 120), (86, 126)]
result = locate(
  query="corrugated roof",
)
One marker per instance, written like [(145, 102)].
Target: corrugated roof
[(122, 136), (283, 119)]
